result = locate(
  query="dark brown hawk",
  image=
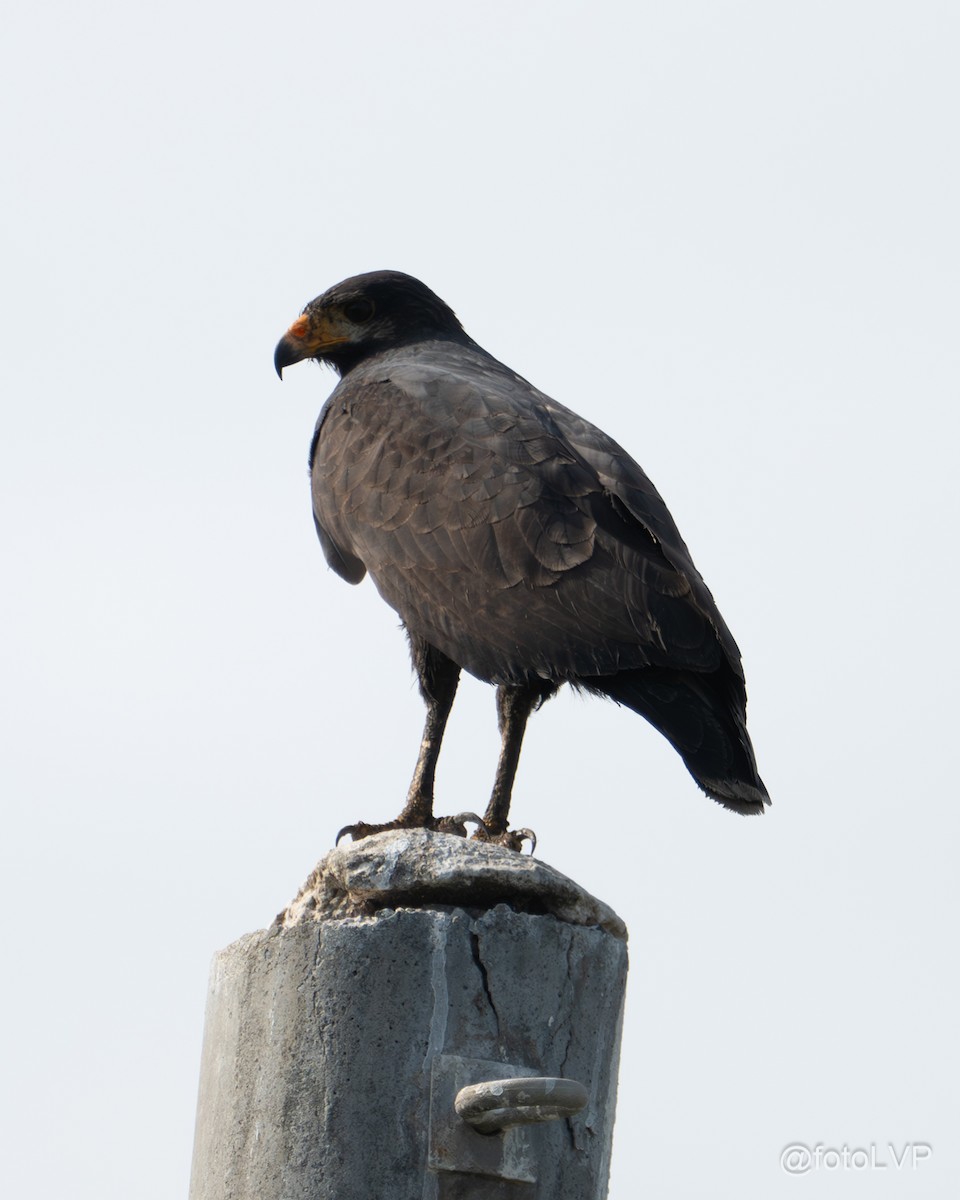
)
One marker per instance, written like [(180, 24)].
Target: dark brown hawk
[(515, 540)]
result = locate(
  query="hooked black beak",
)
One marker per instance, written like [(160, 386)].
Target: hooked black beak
[(296, 344), (286, 354)]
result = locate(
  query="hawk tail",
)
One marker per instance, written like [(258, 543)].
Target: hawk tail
[(704, 719)]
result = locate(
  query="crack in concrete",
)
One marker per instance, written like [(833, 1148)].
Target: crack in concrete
[(484, 977), (570, 1127)]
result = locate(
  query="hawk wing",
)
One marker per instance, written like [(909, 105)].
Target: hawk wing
[(505, 530)]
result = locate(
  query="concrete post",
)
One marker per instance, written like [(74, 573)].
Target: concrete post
[(411, 965)]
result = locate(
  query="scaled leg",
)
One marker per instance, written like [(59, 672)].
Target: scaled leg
[(514, 706)]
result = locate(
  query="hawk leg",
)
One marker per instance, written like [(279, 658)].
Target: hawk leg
[(515, 703), (438, 676)]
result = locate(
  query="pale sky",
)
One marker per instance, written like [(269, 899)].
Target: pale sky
[(725, 232)]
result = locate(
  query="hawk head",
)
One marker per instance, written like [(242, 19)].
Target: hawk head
[(364, 315)]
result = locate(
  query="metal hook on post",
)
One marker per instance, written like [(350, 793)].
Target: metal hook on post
[(499, 1104)]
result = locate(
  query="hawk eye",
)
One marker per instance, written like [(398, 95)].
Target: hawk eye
[(358, 311)]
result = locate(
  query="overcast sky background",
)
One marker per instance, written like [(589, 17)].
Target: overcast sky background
[(725, 232)]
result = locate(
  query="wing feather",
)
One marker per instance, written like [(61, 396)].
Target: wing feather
[(503, 528)]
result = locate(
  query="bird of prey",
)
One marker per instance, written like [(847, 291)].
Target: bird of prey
[(515, 540)]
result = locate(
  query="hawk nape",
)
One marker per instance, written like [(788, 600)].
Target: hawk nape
[(515, 540)]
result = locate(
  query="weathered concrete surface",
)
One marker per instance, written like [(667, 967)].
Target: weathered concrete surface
[(416, 868), (326, 1035)]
